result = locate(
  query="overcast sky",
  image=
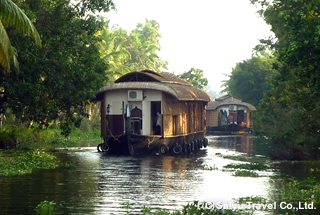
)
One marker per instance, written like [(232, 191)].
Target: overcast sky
[(212, 35)]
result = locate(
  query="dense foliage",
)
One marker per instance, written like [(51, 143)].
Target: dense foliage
[(58, 78), (131, 51), (12, 16), (285, 85), (289, 112), (143, 45), (195, 77), (249, 79)]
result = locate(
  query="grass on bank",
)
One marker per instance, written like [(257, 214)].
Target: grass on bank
[(88, 134), (23, 150)]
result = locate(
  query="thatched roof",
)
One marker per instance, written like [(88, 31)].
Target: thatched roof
[(151, 76), (225, 101), (165, 82), (227, 97)]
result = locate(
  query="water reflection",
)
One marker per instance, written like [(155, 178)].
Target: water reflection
[(240, 143), (221, 186), (100, 184), (155, 181)]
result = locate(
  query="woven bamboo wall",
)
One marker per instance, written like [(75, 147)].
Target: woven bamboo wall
[(212, 118), (187, 115)]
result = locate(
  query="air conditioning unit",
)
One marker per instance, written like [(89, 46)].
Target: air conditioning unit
[(232, 107), (135, 95)]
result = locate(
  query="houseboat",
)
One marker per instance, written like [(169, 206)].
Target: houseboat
[(229, 115), (149, 112)]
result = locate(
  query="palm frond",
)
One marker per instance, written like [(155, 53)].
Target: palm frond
[(6, 50), (15, 59), (12, 15)]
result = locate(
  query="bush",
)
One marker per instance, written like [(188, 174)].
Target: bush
[(14, 136)]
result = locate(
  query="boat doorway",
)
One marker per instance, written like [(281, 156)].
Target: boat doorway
[(136, 120), (156, 118), (241, 117)]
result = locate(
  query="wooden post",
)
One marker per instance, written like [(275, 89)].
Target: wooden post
[(123, 117), (162, 128), (103, 118)]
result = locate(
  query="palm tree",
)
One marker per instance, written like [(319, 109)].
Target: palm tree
[(113, 51), (11, 15)]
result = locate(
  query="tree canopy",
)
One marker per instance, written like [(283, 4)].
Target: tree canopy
[(195, 77), (57, 79), (143, 45), (131, 51), (249, 79), (290, 111)]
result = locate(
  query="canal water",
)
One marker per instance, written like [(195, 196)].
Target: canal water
[(102, 184)]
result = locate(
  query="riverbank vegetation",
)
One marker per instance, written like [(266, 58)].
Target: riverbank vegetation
[(300, 193), (20, 137), (30, 149)]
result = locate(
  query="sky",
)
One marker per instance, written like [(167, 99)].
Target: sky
[(211, 35)]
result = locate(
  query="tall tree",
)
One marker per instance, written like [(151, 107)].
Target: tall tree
[(195, 77), (294, 101), (113, 51), (12, 16), (249, 79), (143, 45), (131, 51), (56, 81)]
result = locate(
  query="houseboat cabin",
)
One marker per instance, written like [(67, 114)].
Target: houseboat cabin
[(144, 112), (229, 115)]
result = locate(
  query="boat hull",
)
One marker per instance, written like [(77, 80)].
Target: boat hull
[(135, 144)]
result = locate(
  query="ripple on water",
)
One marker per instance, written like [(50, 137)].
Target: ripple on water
[(101, 184)]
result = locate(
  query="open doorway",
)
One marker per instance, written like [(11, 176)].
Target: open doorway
[(240, 117), (156, 118)]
